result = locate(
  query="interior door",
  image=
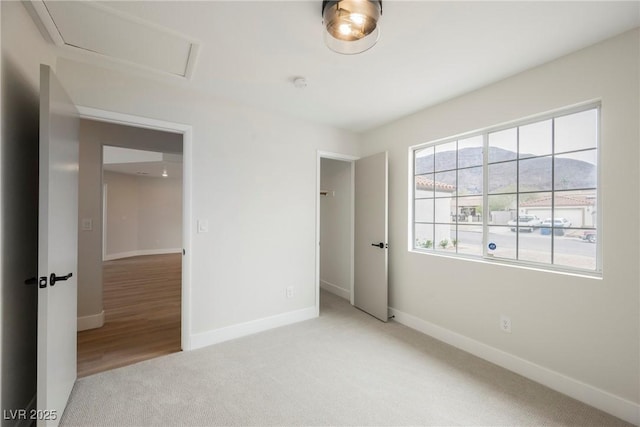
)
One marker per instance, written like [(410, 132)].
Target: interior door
[(370, 291), (57, 248)]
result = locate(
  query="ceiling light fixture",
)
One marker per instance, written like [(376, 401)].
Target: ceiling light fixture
[(351, 26), (164, 173)]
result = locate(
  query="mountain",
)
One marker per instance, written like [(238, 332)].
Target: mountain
[(535, 173)]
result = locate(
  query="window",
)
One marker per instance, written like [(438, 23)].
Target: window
[(525, 193)]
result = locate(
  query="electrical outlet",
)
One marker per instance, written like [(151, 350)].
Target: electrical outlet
[(289, 292), (505, 323)]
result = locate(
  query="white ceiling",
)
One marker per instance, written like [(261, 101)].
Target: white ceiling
[(150, 164), (428, 51), (90, 27)]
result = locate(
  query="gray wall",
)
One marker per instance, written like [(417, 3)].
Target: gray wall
[(335, 227), (93, 135), (144, 215), (21, 57)]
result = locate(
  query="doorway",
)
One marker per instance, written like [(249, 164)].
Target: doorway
[(144, 244), (335, 232)]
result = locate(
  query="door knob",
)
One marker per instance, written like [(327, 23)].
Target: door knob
[(53, 278), (380, 245)]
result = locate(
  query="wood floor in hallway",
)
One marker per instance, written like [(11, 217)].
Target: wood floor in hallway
[(142, 304)]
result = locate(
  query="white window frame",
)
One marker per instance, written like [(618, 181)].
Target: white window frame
[(486, 257)]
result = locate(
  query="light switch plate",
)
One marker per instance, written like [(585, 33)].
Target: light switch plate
[(87, 224)]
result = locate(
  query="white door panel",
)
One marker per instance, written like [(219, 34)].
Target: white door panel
[(371, 219), (57, 248)]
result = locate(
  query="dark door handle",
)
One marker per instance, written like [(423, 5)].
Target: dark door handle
[(42, 281), (53, 278), (380, 245)]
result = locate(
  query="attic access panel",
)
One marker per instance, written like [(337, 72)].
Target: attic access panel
[(118, 36)]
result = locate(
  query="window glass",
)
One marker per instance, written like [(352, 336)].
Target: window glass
[(535, 174), (532, 199), (533, 208), (445, 156), (504, 241), (576, 131), (469, 240), (574, 252), (423, 236), (444, 237), (424, 161), (575, 209), (534, 246), (423, 210), (470, 181), (576, 170), (535, 139), (503, 145), (502, 208), (423, 186), (445, 209), (470, 152), (502, 177)]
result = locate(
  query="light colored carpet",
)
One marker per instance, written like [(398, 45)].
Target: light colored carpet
[(344, 368)]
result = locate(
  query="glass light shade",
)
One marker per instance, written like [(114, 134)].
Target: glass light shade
[(351, 26)]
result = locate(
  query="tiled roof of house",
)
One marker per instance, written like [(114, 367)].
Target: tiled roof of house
[(424, 183), (561, 200)]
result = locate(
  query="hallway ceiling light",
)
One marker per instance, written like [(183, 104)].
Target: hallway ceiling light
[(164, 173), (351, 26)]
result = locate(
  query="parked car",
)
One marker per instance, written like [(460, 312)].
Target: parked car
[(559, 224), (525, 223), (589, 236)]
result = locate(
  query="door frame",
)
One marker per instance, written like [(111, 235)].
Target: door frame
[(352, 161), (187, 161)]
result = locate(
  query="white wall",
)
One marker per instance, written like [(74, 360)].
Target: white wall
[(254, 180), (335, 227), (160, 214), (22, 52), (144, 215), (122, 213), (583, 328)]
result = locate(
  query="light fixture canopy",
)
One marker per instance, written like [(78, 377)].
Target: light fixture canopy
[(351, 26)]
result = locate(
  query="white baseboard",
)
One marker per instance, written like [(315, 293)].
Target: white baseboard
[(603, 400), (91, 322), (141, 252), (335, 289), (27, 421), (227, 333)]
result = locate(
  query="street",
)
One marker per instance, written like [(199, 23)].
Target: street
[(569, 250)]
